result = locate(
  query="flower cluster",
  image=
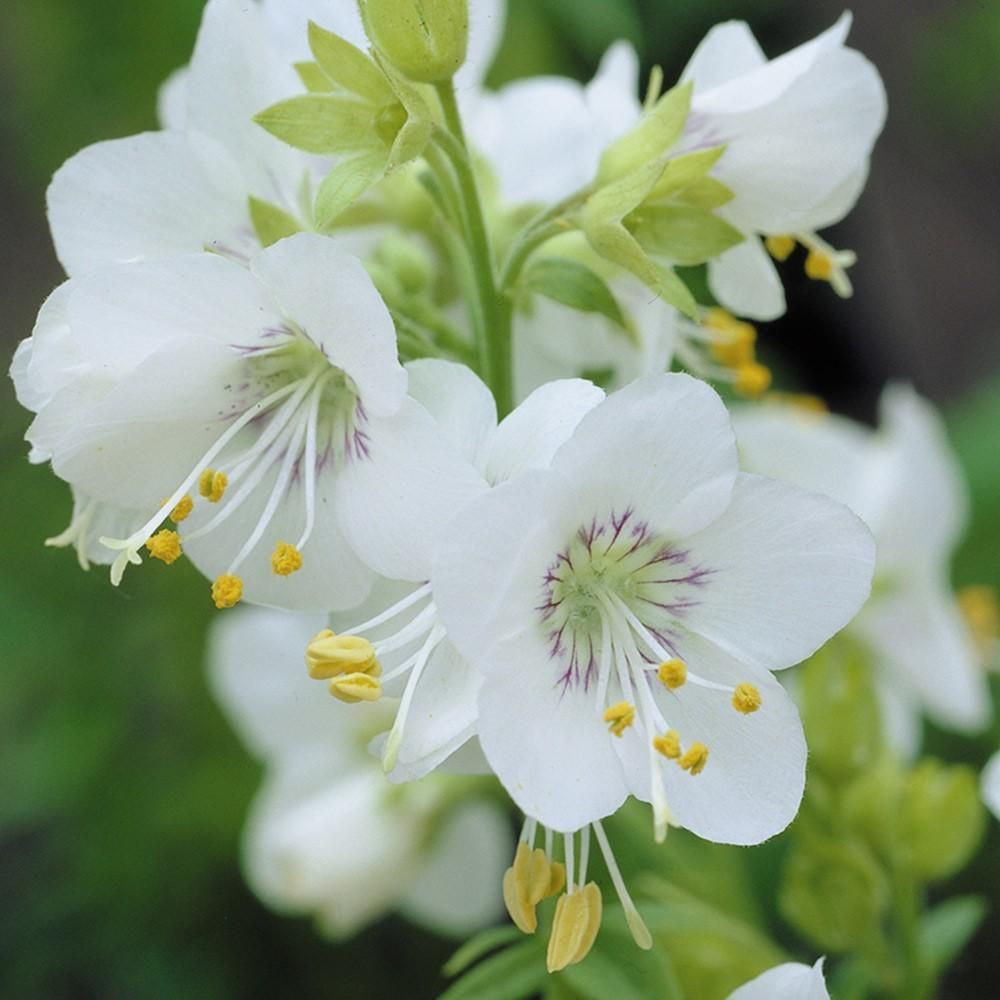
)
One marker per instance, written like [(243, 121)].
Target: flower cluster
[(363, 344)]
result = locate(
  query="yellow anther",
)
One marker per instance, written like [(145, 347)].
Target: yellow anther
[(182, 509), (669, 744), (736, 347), (979, 607), (619, 717), (352, 688), (329, 655), (529, 880), (227, 590), (752, 379), (165, 545), (557, 878), (574, 927), (212, 484), (695, 759), (780, 247), (672, 674), (803, 401), (819, 265), (718, 318), (286, 559), (746, 698)]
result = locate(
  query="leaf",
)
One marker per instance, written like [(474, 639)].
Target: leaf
[(343, 185), (313, 78), (513, 974), (476, 947), (347, 66), (683, 234), (321, 123), (945, 930), (270, 222), (575, 285)]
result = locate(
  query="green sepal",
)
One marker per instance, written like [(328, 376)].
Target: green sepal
[(313, 78), (270, 222), (321, 123), (343, 185), (347, 67), (656, 132), (682, 171), (575, 285), (683, 234), (415, 132), (708, 193)]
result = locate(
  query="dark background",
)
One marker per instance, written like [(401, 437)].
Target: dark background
[(122, 790)]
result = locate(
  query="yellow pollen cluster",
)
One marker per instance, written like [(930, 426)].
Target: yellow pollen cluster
[(619, 717), (672, 674), (182, 509), (819, 266), (574, 927), (530, 879), (165, 545), (669, 744), (285, 559), (981, 612), (746, 698), (804, 402), (227, 591), (752, 380), (348, 662), (780, 247), (212, 485), (695, 759), (732, 345)]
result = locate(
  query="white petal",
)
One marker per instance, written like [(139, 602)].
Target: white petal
[(900, 712), (663, 446), (457, 889), (287, 22), (171, 100), (28, 395), (394, 504), (54, 358), (612, 95), (991, 784), (530, 436), (752, 784), (486, 27), (329, 295), (745, 281), (787, 569), (150, 195), (792, 981), (727, 52), (459, 401)]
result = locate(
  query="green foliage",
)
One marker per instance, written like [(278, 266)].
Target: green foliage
[(511, 974), (270, 222), (946, 930), (684, 235), (573, 284)]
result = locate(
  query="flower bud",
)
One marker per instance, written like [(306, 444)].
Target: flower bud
[(424, 39)]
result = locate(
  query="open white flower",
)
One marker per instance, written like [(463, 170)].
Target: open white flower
[(905, 483), (626, 606), (798, 131), (990, 784), (326, 835), (275, 393), (396, 642), (791, 981)]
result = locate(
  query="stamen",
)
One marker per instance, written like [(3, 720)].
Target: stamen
[(227, 591), (574, 927), (819, 266), (390, 613), (669, 744), (181, 509), (672, 674), (752, 379), (979, 607), (528, 881), (165, 545), (212, 485), (695, 759), (286, 559), (76, 532), (640, 932), (584, 853), (619, 717), (329, 654), (359, 686), (780, 247), (746, 698)]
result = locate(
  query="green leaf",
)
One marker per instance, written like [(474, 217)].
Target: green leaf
[(512, 974), (313, 78), (945, 930), (575, 285), (476, 947), (347, 66), (270, 222), (343, 185), (321, 123), (682, 234), (656, 132)]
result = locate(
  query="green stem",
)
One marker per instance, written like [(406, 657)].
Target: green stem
[(492, 319), (906, 913)]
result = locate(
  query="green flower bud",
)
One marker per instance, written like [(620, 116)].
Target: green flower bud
[(833, 892), (941, 819), (871, 806), (424, 39), (408, 262)]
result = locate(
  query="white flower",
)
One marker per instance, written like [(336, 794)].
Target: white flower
[(905, 483), (990, 784), (275, 392), (326, 835), (791, 981), (626, 606), (407, 650), (798, 132)]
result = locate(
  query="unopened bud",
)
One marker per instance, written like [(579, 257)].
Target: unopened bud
[(424, 39)]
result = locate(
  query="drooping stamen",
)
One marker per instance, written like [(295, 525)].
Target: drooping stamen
[(640, 932), (398, 608)]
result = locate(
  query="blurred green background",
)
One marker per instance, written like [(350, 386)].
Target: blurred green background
[(122, 790)]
